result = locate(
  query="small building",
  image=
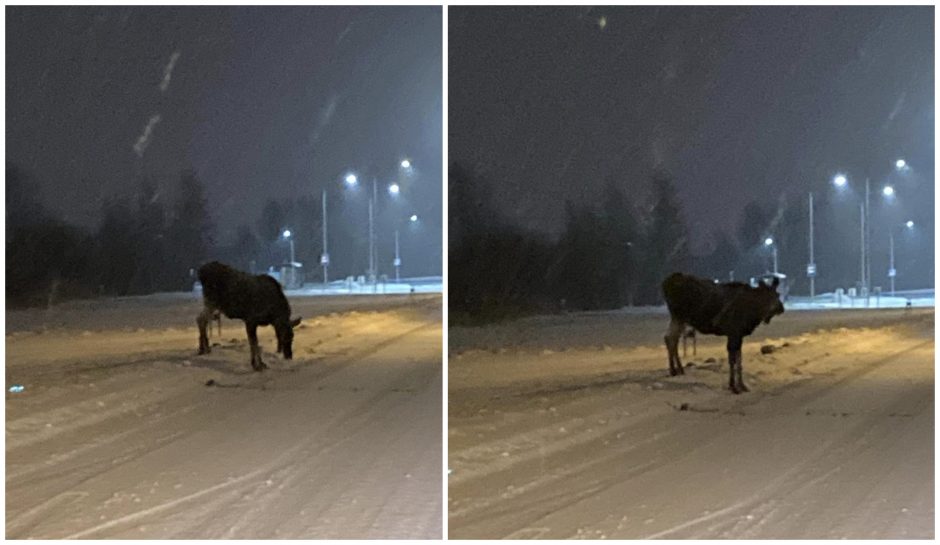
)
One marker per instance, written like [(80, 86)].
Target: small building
[(291, 275)]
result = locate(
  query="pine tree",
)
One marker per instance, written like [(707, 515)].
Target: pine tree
[(190, 230), (118, 251), (667, 242)]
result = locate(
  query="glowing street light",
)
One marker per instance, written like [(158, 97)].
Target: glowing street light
[(840, 180), (394, 189), (770, 242), (900, 164), (405, 163), (351, 180), (892, 271), (287, 235), (414, 218), (888, 191)]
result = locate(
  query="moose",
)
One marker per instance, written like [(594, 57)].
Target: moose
[(731, 309), (258, 300)]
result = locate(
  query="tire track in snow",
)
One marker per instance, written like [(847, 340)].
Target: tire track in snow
[(292, 466), (493, 507)]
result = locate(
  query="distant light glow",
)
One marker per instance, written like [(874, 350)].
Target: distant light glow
[(909, 224), (602, 22), (840, 180), (768, 241), (351, 179), (888, 191), (405, 163), (394, 189), (900, 164), (414, 218), (286, 233)]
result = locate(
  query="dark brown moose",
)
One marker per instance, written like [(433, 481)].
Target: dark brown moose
[(258, 300), (732, 309)]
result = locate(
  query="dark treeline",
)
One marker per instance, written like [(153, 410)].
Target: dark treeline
[(609, 255), (152, 241), (615, 252), (141, 245)]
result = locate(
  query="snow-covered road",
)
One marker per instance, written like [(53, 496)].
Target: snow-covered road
[(117, 435), (569, 427)]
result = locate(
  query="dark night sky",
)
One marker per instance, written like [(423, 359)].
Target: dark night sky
[(736, 102), (261, 102)]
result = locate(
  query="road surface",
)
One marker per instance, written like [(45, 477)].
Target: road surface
[(117, 435), (555, 434)]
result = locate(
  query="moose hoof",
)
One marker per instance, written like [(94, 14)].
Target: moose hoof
[(259, 366), (203, 351)]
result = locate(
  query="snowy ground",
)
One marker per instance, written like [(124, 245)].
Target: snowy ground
[(406, 285), (117, 435), (569, 427)]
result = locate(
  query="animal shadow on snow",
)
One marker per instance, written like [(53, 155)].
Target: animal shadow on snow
[(223, 359), (647, 379)]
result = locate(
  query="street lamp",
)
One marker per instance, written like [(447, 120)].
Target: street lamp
[(287, 236), (841, 181), (397, 262), (770, 242), (892, 271), (413, 218), (394, 189)]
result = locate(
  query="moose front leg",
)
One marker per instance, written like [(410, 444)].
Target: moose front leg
[(256, 362), (203, 322), (672, 347), (735, 379)]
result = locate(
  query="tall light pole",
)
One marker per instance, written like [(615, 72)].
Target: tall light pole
[(811, 267), (372, 272), (287, 235), (770, 242), (861, 209), (397, 261), (892, 272), (325, 258), (393, 190)]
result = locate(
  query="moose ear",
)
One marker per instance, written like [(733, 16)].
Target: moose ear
[(775, 283), (295, 322)]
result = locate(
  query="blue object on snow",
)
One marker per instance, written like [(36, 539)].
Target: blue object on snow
[(17, 388)]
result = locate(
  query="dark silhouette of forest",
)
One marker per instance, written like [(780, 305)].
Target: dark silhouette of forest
[(140, 246), (616, 251), (151, 242)]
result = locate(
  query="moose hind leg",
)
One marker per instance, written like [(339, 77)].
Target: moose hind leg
[(672, 347), (739, 374), (203, 322), (734, 365), (256, 362)]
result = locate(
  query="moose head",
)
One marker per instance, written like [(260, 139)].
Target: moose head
[(285, 337)]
